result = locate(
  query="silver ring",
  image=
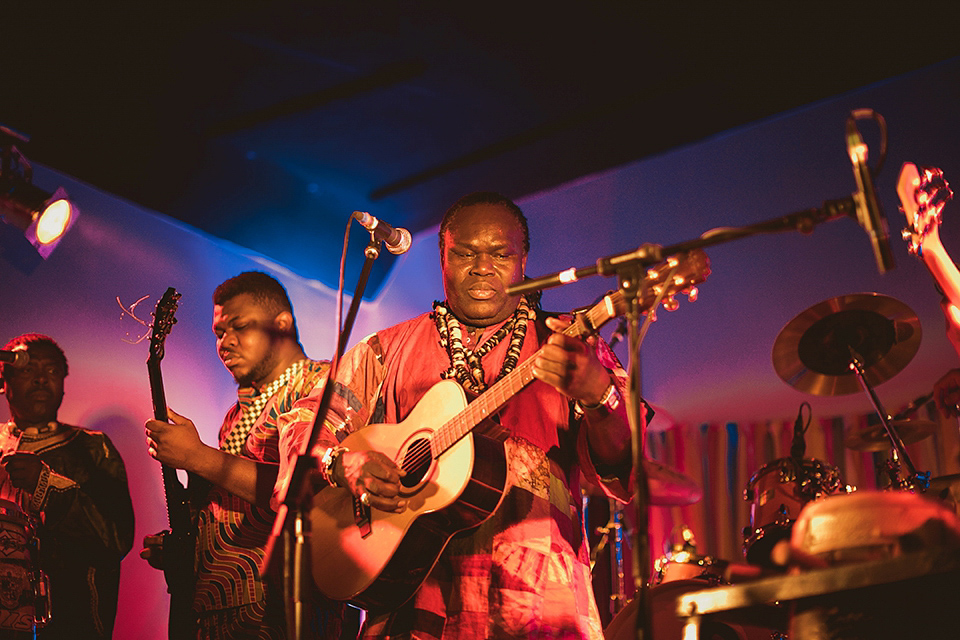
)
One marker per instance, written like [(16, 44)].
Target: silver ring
[(365, 499)]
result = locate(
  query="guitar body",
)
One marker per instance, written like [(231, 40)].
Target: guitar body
[(377, 560), (382, 567)]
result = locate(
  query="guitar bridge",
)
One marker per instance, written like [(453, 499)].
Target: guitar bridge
[(361, 515)]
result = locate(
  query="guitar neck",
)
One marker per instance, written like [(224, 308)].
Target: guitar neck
[(941, 267), (178, 512), (491, 400)]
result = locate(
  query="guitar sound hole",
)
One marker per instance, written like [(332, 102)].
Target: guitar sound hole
[(416, 462)]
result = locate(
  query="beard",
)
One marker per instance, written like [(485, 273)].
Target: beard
[(258, 372)]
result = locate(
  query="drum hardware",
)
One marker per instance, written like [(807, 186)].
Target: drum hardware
[(858, 340), (668, 488), (618, 594), (778, 491), (682, 561), (915, 480), (875, 438)]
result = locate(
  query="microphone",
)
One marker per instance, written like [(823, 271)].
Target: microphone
[(869, 215), (18, 359), (397, 239)]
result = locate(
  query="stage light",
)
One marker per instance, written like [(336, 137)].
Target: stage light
[(43, 217)]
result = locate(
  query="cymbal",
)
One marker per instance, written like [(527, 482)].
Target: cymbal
[(813, 351), (875, 438), (668, 487)]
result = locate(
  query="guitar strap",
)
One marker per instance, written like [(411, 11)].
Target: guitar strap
[(251, 405)]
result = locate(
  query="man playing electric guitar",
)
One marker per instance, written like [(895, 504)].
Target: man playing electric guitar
[(279, 391), (525, 570)]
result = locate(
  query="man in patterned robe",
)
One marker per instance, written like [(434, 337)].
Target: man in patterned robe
[(524, 572), (72, 485), (279, 391)]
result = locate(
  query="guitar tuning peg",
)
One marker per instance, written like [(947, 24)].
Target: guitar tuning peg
[(692, 294), (670, 303)]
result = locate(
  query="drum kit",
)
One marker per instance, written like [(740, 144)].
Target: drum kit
[(823, 560)]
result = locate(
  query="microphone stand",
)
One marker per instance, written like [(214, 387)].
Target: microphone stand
[(290, 529), (630, 268)]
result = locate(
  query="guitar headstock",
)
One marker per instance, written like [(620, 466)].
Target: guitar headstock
[(923, 192), (677, 274), (163, 321)]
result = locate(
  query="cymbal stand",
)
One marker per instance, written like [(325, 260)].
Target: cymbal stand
[(917, 480), (614, 526)]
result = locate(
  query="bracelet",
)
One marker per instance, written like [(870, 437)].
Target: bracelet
[(610, 399), (328, 460), (40, 493)]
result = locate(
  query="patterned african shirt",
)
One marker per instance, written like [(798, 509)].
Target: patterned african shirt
[(524, 572), (84, 522), (232, 532)]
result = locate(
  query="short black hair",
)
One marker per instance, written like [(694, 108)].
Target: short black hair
[(265, 290), (485, 197), (28, 340)]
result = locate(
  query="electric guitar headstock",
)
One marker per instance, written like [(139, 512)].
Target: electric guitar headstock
[(923, 192), (163, 321), (675, 275)]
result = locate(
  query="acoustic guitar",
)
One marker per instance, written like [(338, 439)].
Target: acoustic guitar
[(455, 476)]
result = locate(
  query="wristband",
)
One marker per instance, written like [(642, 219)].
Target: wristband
[(610, 400), (328, 460)]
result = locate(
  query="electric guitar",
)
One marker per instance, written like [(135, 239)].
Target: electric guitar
[(923, 192), (455, 478), (179, 542)]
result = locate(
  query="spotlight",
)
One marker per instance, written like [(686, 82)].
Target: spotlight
[(42, 216)]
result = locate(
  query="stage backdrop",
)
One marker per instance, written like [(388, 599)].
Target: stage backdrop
[(722, 411)]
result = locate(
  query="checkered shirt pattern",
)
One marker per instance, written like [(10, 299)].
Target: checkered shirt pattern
[(252, 405)]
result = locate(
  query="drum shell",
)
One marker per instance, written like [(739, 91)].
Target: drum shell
[(778, 491), (689, 566)]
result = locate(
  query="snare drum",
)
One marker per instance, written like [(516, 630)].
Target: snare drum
[(24, 591), (778, 492)]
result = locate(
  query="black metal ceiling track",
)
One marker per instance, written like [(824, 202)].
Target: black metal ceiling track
[(387, 75)]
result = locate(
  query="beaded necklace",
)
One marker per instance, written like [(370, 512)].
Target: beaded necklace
[(466, 366)]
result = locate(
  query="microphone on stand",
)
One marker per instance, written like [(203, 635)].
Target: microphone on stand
[(396, 239), (618, 334), (869, 214), (18, 358)]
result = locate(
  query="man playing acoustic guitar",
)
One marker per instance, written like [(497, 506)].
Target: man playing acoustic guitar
[(524, 571)]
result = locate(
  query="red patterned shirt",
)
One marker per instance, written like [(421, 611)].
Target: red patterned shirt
[(524, 572), (232, 532)]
